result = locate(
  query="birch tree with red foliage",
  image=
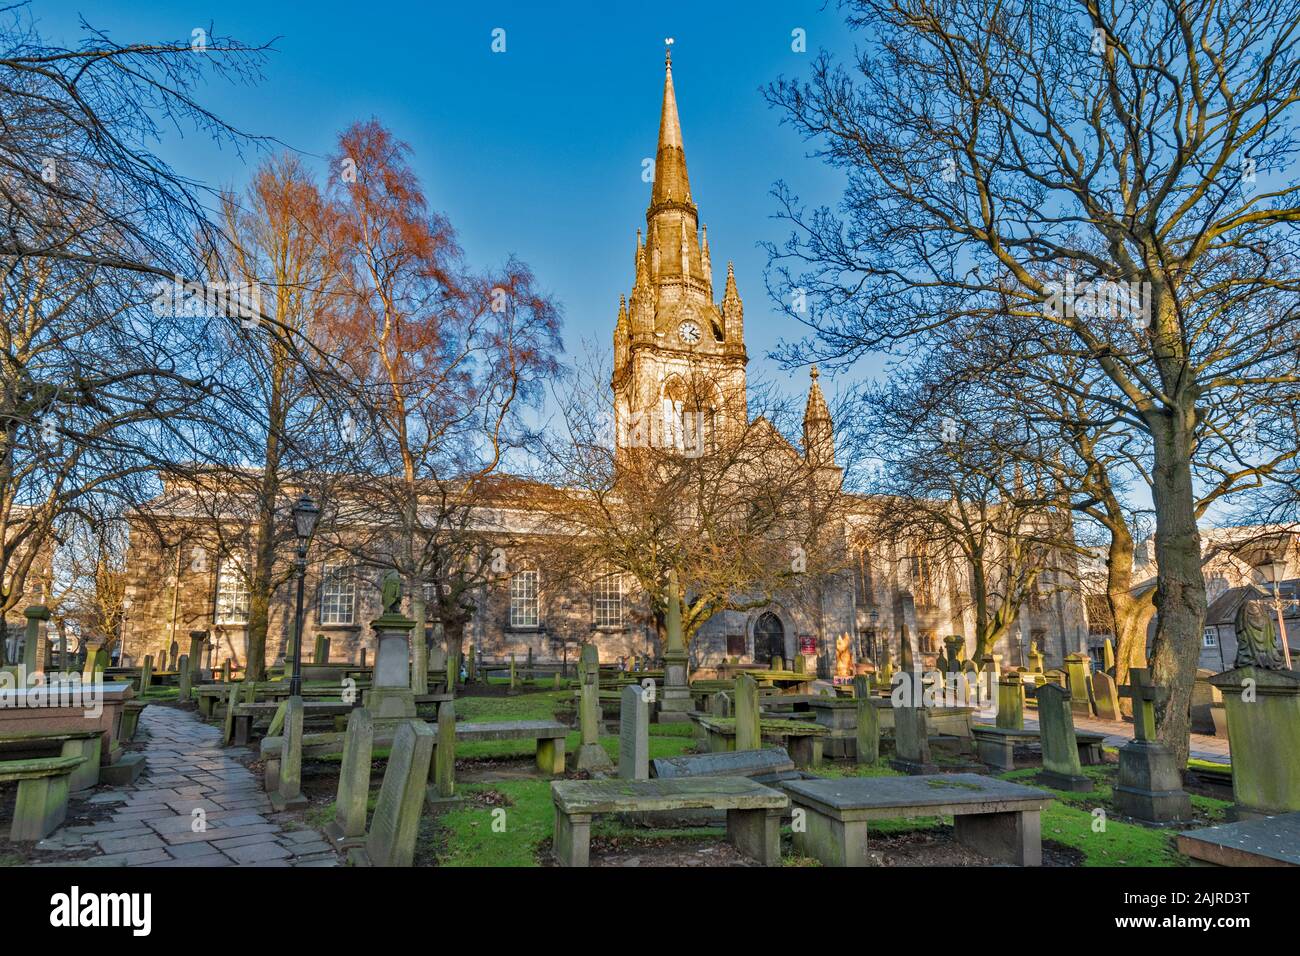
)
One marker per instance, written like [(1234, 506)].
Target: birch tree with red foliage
[(444, 360)]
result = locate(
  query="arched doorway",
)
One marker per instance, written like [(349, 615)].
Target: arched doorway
[(769, 637)]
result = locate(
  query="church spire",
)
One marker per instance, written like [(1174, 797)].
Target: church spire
[(818, 434), (671, 183)]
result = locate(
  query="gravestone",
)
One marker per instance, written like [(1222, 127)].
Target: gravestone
[(1261, 701), (363, 657), (748, 731), (225, 671), (444, 759), (1108, 657), (1011, 702), (93, 670), (591, 756), (1061, 767), (289, 794), (198, 642), (1150, 782), (675, 701), (634, 735), (868, 733), (348, 828), (1035, 659), (277, 720), (912, 741), (183, 677), (1204, 698), (390, 698), (172, 658), (232, 698), (514, 680), (146, 674), (471, 664), (390, 841), (1105, 696), (1078, 669), (321, 650), (437, 654), (956, 645), (719, 704)]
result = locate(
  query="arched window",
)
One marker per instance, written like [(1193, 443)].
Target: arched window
[(769, 637), (687, 417), (524, 605), (863, 583)]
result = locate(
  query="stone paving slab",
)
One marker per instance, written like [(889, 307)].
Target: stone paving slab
[(153, 820)]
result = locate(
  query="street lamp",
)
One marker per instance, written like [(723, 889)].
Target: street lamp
[(1272, 568), (305, 513)]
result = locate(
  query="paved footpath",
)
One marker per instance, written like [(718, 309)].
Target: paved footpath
[(194, 805), (1118, 733)]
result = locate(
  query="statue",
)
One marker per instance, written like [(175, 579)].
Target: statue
[(1256, 638), (391, 593), (843, 657)]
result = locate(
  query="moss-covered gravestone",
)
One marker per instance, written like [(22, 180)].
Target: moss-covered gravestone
[(1061, 768), (748, 735), (289, 794), (911, 734), (1078, 670), (1262, 706), (444, 758), (183, 677), (390, 841), (348, 828), (868, 733), (34, 651), (277, 720), (1105, 696), (514, 680), (228, 728), (1011, 702), (198, 643), (146, 674), (590, 755)]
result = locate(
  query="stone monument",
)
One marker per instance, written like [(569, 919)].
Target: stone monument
[(1061, 767), (590, 755), (675, 702), (1150, 782), (390, 697), (634, 735), (348, 828)]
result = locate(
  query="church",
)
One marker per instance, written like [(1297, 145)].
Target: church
[(679, 357)]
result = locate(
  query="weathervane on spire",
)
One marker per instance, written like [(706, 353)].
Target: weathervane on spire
[(668, 50)]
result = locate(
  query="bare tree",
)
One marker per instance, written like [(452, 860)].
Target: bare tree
[(991, 151)]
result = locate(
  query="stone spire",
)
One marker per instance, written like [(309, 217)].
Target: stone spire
[(733, 313), (818, 432), (671, 183)]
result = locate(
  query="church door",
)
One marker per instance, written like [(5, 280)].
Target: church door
[(769, 637)]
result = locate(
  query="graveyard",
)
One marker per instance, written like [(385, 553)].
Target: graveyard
[(515, 765)]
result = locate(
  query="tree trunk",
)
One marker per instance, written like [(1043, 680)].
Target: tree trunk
[(1180, 594), (453, 638), (419, 649)]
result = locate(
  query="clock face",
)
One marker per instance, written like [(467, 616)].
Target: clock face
[(689, 333)]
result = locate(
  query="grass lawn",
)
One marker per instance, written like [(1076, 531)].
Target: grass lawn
[(505, 822)]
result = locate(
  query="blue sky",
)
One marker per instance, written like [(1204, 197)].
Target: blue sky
[(536, 151)]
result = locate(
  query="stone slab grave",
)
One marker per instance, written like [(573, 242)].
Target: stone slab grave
[(548, 734), (753, 811), (86, 744), (390, 840), (770, 767), (22, 717), (996, 745), (1263, 841), (634, 735), (802, 739), (42, 801), (993, 817), (247, 716), (1061, 767), (348, 828), (1150, 782), (911, 741)]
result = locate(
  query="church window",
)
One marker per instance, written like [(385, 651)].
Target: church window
[(338, 595), (524, 611), (607, 600), (232, 592)]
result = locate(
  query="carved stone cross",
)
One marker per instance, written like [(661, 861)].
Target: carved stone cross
[(1144, 695)]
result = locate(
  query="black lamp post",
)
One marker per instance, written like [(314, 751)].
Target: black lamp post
[(305, 513)]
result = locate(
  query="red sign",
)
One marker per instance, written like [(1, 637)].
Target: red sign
[(807, 644)]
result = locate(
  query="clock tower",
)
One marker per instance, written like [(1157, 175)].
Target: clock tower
[(679, 356)]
